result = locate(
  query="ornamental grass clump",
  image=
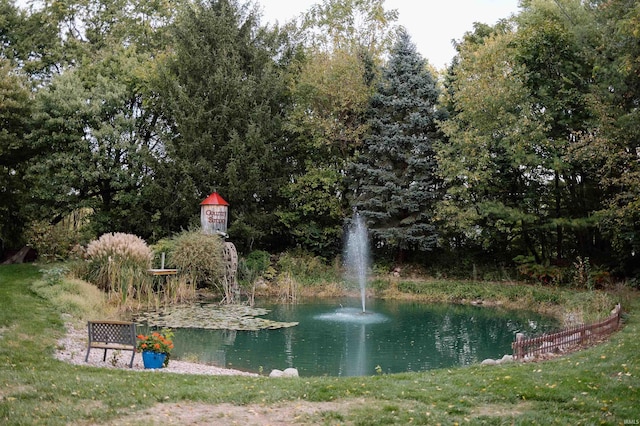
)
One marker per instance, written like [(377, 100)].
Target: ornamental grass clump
[(200, 258), (118, 264)]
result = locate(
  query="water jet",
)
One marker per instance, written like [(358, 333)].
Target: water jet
[(357, 255)]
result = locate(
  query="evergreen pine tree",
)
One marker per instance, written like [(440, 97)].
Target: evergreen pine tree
[(395, 180)]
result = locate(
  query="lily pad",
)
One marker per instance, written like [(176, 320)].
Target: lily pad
[(212, 317)]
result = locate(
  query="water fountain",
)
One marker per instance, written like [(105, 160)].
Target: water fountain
[(356, 259), (357, 255)]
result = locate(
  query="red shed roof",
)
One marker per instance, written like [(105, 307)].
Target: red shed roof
[(214, 200)]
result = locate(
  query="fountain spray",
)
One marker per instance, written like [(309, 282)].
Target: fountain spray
[(357, 254)]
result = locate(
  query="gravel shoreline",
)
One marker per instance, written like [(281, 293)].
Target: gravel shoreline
[(72, 348)]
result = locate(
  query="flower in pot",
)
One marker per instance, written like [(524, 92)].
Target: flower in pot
[(156, 348)]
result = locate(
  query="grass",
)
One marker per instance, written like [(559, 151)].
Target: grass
[(589, 306), (600, 385)]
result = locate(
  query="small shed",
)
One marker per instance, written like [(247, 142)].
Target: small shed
[(214, 212)]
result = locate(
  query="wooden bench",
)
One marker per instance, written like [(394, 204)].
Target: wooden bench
[(116, 335)]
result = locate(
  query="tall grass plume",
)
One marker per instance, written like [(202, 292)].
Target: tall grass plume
[(118, 264)]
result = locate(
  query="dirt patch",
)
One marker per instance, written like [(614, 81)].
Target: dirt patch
[(13, 391), (502, 410), (290, 413)]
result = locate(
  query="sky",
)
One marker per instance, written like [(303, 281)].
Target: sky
[(432, 24)]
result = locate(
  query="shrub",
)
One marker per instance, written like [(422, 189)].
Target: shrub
[(54, 242), (166, 246), (582, 277), (254, 266), (199, 257), (118, 264), (545, 274), (118, 245), (308, 269)]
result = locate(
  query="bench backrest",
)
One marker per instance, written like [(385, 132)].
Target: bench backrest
[(120, 332)]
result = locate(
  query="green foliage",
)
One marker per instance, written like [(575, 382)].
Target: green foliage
[(77, 298), (614, 148), (15, 112), (54, 276), (164, 246), (255, 265), (343, 42), (342, 24), (544, 274), (224, 95), (589, 305), (199, 257), (582, 277), (31, 41), (306, 268), (50, 242), (515, 184), (395, 181), (95, 117), (61, 241), (314, 215)]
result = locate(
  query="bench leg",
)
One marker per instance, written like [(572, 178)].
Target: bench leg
[(104, 358), (131, 363), (86, 358)]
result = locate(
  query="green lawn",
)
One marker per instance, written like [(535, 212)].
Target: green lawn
[(599, 385)]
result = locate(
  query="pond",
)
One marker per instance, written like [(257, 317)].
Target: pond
[(333, 338)]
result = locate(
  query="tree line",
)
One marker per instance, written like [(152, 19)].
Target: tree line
[(125, 114)]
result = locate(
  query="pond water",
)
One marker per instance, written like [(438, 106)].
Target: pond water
[(334, 338)]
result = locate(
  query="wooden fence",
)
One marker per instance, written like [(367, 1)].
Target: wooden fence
[(565, 339)]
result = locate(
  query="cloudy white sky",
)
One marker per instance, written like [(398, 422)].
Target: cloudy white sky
[(432, 24)]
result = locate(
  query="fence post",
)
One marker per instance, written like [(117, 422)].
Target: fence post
[(519, 347)]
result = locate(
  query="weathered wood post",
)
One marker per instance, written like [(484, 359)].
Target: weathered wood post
[(617, 312), (519, 349)]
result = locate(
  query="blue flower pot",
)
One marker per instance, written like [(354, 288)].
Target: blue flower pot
[(153, 359)]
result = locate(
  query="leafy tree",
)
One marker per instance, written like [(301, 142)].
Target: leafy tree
[(66, 33), (30, 40), (15, 111), (521, 102), (96, 119), (339, 25), (554, 43), (95, 142), (613, 147), (343, 42), (489, 160), (223, 94), (396, 184)]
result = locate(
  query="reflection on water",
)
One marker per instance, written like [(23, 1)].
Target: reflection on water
[(397, 336)]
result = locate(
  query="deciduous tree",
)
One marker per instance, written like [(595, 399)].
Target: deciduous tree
[(15, 112), (343, 41)]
